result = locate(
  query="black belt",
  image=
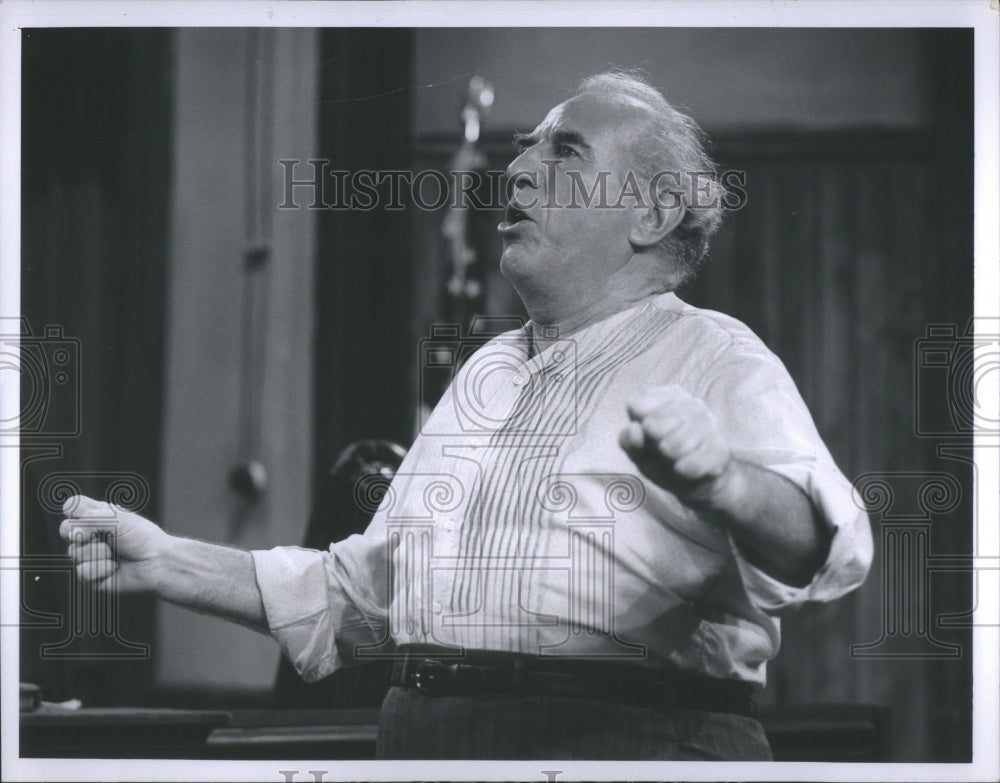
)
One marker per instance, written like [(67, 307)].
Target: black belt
[(443, 672)]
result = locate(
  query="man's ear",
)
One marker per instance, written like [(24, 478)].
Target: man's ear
[(653, 222)]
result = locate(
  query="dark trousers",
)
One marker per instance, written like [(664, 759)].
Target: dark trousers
[(415, 726)]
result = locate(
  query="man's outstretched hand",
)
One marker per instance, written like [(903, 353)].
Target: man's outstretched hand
[(116, 549), (107, 541), (678, 443)]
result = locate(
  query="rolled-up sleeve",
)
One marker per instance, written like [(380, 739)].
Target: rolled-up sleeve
[(769, 425), (850, 554), (321, 605)]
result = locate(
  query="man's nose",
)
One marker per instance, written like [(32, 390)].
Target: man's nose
[(523, 169), (521, 187), (522, 178)]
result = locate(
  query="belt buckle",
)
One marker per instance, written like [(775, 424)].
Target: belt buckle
[(426, 674)]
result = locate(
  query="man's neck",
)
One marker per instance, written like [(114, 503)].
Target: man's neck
[(548, 328)]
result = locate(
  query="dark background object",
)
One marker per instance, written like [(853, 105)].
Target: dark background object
[(96, 149), (364, 260)]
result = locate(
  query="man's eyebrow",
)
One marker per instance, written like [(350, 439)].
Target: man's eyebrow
[(569, 137), (524, 140), (559, 136)]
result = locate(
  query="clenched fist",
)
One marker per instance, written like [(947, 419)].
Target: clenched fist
[(678, 443), (110, 545)]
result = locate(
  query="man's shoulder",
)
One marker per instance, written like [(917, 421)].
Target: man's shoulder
[(711, 328), (716, 355)]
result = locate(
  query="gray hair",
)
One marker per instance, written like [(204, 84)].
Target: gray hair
[(674, 142)]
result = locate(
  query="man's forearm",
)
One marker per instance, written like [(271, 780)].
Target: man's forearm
[(211, 578), (773, 522)]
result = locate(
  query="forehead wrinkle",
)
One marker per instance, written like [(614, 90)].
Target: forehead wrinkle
[(552, 129), (637, 112)]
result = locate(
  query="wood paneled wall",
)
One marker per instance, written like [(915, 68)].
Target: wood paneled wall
[(837, 261)]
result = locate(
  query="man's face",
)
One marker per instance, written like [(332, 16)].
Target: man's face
[(555, 243)]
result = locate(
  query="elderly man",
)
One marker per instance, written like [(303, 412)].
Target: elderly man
[(583, 554)]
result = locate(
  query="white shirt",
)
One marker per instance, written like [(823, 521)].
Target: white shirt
[(517, 523)]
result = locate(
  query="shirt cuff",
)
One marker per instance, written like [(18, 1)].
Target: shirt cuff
[(294, 590), (850, 553)]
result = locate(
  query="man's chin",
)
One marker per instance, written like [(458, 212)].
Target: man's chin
[(525, 276), (513, 264)]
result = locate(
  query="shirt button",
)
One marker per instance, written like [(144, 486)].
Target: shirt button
[(477, 442), (449, 525), (517, 380), (558, 356), (437, 607)]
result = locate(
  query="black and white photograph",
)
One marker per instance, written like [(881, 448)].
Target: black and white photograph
[(499, 391)]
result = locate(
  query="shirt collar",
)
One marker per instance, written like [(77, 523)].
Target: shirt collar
[(585, 340)]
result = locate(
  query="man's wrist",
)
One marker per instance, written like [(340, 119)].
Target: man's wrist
[(729, 493), (213, 578), (166, 569)]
